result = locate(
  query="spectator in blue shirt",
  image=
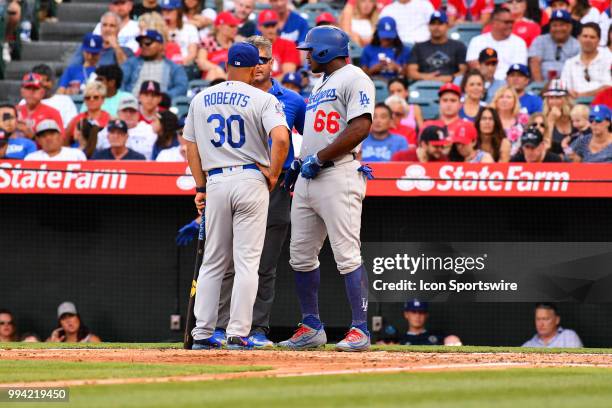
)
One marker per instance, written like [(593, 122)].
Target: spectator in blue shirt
[(75, 77), (17, 146), (549, 333), (117, 138), (386, 56), (380, 145), (518, 78), (293, 26)]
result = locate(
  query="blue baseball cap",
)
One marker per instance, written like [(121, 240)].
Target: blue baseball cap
[(387, 28), (171, 4), (151, 34), (292, 78), (523, 69), (92, 43), (415, 305), (561, 15), (243, 55), (438, 16), (599, 113), (117, 124)]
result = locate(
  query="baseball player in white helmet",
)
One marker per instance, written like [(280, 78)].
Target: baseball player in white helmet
[(227, 131), (330, 187)]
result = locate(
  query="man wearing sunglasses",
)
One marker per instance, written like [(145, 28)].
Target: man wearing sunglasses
[(549, 52), (510, 48), (152, 65), (285, 56), (588, 73)]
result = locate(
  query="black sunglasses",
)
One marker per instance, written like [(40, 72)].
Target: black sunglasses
[(264, 60), (146, 43)]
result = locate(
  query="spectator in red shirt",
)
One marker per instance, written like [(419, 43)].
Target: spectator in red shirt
[(286, 57), (95, 92), (149, 97), (30, 114), (212, 56), (479, 11), (432, 143), (450, 105), (523, 26)]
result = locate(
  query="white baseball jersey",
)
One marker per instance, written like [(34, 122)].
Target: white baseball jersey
[(336, 99), (231, 123)]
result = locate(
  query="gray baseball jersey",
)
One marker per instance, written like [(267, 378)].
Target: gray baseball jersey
[(330, 204), (336, 99), (231, 123)]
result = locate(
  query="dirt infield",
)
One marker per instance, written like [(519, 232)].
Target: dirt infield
[(288, 363)]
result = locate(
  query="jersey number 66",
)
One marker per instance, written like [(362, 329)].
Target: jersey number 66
[(332, 125), (224, 125)]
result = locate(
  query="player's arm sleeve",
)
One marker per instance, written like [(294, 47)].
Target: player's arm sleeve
[(189, 129), (300, 114), (359, 98), (272, 115)]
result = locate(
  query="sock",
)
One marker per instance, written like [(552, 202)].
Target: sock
[(307, 287), (356, 284)]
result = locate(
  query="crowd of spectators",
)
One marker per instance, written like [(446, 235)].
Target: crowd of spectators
[(529, 72)]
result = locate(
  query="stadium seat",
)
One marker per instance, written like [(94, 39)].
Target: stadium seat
[(180, 105), (464, 32), (535, 87), (310, 11), (197, 85), (262, 6), (355, 52), (425, 91), (78, 101), (381, 90), (430, 110), (584, 100)]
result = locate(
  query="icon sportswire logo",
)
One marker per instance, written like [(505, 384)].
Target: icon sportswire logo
[(455, 177)]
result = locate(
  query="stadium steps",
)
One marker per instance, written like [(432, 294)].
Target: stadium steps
[(57, 43)]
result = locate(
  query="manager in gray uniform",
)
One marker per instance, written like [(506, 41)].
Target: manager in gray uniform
[(227, 131)]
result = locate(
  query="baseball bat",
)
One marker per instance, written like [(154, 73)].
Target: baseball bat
[(190, 323)]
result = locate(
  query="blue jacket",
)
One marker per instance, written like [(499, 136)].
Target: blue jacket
[(174, 79), (295, 111)]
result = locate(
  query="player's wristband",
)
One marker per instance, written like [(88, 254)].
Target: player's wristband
[(201, 189)]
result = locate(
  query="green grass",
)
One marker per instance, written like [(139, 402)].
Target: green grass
[(43, 370), (390, 348), (524, 388)]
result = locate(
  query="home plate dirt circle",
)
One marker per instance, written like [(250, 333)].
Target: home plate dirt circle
[(299, 363)]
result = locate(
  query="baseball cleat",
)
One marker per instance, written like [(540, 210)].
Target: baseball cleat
[(219, 335), (206, 344), (239, 343), (305, 337), (355, 340), (260, 340)]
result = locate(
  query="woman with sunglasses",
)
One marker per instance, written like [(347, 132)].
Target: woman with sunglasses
[(95, 93), (491, 136), (557, 108), (597, 147), (8, 331)]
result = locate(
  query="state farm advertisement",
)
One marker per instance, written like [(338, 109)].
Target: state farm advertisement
[(392, 179)]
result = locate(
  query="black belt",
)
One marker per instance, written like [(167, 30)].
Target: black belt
[(330, 163)]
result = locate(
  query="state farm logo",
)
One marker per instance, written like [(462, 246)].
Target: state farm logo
[(187, 181), (457, 178), (415, 171)]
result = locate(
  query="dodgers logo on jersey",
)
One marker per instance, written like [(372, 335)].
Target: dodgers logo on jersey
[(363, 99), (327, 95)]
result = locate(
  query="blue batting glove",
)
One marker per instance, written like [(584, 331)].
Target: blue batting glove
[(367, 171), (187, 233), (311, 166), (291, 175)]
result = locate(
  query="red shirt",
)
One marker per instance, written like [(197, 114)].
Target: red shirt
[(603, 98), (601, 5), (410, 155), (458, 9), (283, 51), (526, 29), (42, 112), (102, 121), (408, 133)]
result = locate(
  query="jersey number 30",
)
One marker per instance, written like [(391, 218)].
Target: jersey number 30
[(332, 125), (224, 125)]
